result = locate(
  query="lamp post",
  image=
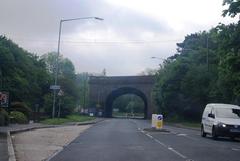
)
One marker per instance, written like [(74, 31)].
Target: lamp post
[(57, 58)]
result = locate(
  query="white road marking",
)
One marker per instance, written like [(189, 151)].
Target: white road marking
[(181, 134), (176, 152), (160, 143), (149, 136), (165, 146), (235, 149)]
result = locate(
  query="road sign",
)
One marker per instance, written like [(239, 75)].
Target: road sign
[(157, 121), (60, 93), (4, 99), (160, 117), (55, 87)]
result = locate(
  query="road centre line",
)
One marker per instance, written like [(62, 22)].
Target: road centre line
[(165, 146), (149, 136), (170, 148), (173, 150), (187, 136), (235, 149)]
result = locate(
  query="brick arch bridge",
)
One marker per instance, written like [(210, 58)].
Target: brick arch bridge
[(104, 90)]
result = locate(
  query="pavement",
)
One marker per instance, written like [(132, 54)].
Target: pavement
[(40, 144), (6, 146), (3, 147), (126, 140)]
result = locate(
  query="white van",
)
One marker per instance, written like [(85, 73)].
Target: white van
[(221, 120)]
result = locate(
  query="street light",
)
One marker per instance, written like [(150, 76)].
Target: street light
[(57, 58)]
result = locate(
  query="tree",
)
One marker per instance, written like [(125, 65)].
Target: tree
[(66, 80), (184, 82), (233, 8), (129, 102), (83, 88), (23, 74)]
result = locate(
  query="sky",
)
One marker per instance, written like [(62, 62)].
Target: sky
[(123, 43)]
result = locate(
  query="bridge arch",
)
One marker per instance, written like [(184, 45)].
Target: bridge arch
[(103, 90), (122, 91)]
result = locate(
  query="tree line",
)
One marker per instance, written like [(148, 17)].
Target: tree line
[(27, 77), (205, 69)]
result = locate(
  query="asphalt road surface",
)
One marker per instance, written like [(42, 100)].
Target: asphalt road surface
[(125, 140)]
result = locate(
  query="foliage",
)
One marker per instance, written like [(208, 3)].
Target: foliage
[(233, 8), (4, 118), (83, 88), (129, 103), (67, 81), (23, 74), (21, 107), (27, 78), (206, 69), (18, 117)]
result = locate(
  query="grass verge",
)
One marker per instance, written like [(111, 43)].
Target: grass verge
[(184, 123), (69, 118)]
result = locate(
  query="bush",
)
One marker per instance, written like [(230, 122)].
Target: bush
[(18, 117), (2, 122), (21, 107), (4, 118)]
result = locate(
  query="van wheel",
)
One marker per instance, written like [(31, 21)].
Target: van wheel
[(214, 134), (203, 134)]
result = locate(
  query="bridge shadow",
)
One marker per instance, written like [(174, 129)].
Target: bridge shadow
[(122, 91)]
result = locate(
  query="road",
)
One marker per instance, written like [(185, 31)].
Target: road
[(125, 140)]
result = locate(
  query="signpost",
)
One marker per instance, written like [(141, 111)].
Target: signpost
[(54, 88), (4, 99)]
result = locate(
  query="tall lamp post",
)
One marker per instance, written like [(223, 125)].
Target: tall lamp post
[(57, 58)]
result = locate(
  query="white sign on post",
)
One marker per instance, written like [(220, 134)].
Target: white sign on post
[(157, 121), (154, 120), (55, 87)]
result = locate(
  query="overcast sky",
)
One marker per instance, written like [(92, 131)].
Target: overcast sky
[(132, 32)]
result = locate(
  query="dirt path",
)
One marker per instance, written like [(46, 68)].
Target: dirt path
[(40, 144)]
